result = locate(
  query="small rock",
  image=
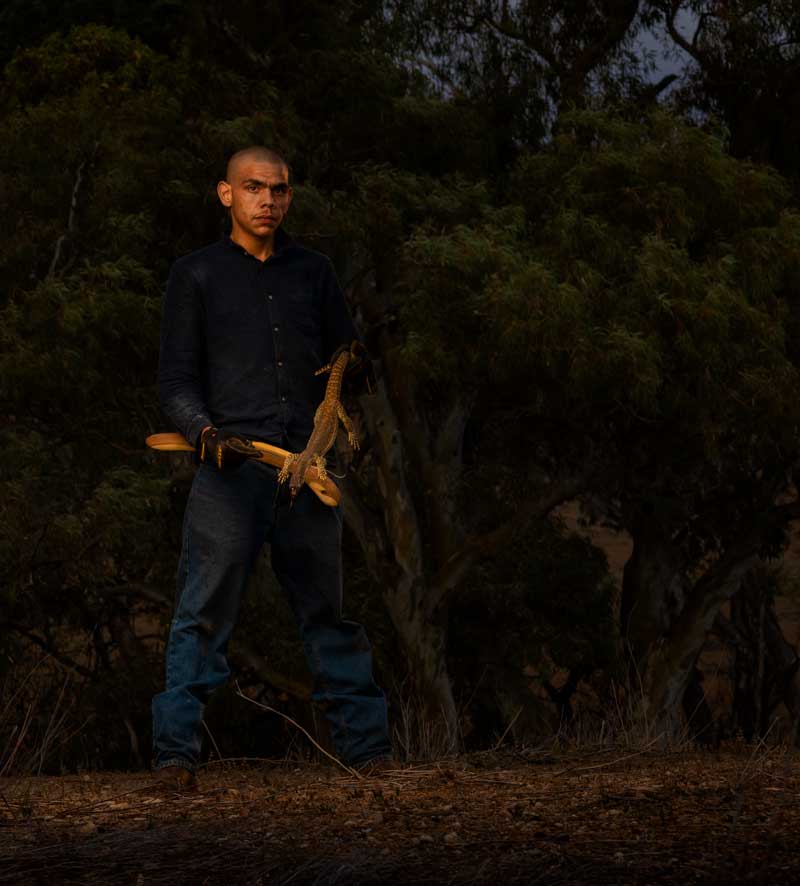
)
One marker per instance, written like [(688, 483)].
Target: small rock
[(426, 838), (451, 838), (88, 827)]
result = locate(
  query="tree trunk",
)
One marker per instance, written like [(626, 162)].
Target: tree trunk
[(765, 663), (666, 620), (384, 517), (425, 643), (652, 591)]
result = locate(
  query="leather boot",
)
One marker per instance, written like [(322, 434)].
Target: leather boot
[(176, 778)]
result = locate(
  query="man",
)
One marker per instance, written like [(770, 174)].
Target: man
[(247, 322)]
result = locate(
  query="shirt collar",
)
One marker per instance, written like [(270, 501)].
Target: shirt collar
[(282, 242)]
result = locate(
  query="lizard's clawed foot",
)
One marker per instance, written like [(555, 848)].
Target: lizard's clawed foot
[(286, 470), (319, 463)]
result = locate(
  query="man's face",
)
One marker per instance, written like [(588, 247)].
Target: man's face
[(258, 197)]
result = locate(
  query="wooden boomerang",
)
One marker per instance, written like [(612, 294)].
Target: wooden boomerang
[(325, 490)]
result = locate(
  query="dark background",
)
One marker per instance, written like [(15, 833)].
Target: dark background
[(569, 234)]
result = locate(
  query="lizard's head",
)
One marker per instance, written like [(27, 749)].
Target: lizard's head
[(355, 350)]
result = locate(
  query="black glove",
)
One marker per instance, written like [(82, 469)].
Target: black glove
[(224, 450)]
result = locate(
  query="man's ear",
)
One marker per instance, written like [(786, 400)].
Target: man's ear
[(224, 192)]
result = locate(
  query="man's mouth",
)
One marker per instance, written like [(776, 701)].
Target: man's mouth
[(266, 218)]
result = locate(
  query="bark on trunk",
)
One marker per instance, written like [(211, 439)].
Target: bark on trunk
[(765, 663), (653, 591), (390, 531), (666, 621), (403, 511), (425, 643)]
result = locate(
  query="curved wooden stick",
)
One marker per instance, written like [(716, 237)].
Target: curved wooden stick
[(326, 491)]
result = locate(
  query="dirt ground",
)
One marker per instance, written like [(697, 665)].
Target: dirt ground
[(601, 817)]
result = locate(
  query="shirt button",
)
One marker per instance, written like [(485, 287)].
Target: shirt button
[(276, 328), (269, 297), (280, 362), (283, 398)]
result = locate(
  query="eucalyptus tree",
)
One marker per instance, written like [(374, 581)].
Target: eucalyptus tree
[(625, 333), (527, 62), (743, 64), (688, 259), (107, 169)]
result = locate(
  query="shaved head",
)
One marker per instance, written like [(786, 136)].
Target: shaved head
[(257, 193), (253, 154)]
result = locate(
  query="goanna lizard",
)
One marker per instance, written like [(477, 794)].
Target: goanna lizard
[(326, 423)]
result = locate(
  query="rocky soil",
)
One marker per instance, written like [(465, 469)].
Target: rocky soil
[(595, 817)]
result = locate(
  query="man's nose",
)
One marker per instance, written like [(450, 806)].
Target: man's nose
[(267, 198)]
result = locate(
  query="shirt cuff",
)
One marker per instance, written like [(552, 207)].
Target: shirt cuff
[(196, 428)]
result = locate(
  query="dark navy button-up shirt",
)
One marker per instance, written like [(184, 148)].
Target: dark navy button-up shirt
[(241, 340)]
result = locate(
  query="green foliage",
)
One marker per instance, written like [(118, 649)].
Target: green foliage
[(110, 151), (543, 606), (624, 294), (746, 65), (680, 322), (635, 307), (647, 284), (550, 600), (106, 165)]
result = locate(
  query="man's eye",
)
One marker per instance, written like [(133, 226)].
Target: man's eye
[(252, 188), (280, 190)]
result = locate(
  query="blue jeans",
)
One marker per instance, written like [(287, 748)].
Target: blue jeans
[(229, 515)]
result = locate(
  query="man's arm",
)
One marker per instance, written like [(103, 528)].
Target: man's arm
[(181, 360)]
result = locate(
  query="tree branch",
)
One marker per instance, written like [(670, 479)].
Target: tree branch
[(727, 631), (512, 33), (48, 647), (688, 47), (73, 206), (652, 91), (458, 566), (402, 525), (242, 654), (445, 472), (618, 23), (717, 585)]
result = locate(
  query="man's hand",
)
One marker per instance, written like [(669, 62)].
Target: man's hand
[(224, 450)]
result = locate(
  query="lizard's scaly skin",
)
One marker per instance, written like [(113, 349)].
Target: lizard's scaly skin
[(326, 425)]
